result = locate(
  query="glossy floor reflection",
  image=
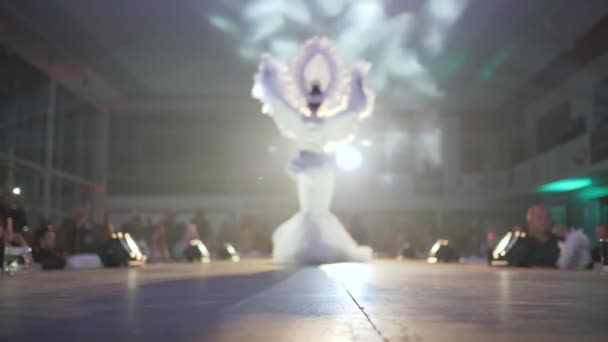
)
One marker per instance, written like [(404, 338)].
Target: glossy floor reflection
[(260, 301)]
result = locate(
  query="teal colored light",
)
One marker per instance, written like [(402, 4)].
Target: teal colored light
[(593, 192), (565, 185), (498, 60), (448, 65), (221, 23)]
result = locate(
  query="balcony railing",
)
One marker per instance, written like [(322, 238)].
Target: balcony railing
[(568, 160)]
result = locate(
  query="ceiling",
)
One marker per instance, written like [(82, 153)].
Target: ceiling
[(431, 56)]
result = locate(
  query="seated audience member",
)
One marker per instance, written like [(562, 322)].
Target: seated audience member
[(227, 234), (202, 225), (159, 248), (540, 247), (136, 228), (189, 233), (79, 234), (4, 207), (103, 232), (489, 243), (45, 249), (601, 232), (172, 228), (560, 231), (9, 236), (17, 213), (407, 252)]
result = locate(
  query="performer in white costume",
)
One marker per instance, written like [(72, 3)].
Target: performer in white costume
[(318, 103)]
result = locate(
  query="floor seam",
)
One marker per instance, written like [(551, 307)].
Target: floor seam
[(362, 309)]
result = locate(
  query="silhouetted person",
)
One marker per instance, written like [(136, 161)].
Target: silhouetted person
[(560, 231), (45, 249), (539, 248), (8, 236), (227, 234), (202, 226), (103, 232), (136, 228), (78, 233), (407, 252), (159, 247), (17, 213), (4, 207), (189, 233), (173, 231), (601, 232)]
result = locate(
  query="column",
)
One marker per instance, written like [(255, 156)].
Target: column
[(100, 170), (13, 127), (48, 150), (35, 193)]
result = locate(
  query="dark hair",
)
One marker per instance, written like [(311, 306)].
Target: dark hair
[(315, 90)]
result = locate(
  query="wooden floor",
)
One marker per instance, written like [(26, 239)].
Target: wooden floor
[(260, 301)]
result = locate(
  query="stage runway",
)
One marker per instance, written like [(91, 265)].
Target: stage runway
[(256, 300)]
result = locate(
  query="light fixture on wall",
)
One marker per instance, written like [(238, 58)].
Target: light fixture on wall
[(566, 185)]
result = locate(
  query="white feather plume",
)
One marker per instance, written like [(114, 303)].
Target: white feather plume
[(574, 251)]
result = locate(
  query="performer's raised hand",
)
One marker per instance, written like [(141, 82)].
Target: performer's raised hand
[(357, 83)]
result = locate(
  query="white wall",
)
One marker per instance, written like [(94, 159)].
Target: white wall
[(220, 208)]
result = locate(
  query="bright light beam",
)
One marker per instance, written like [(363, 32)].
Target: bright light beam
[(348, 158)]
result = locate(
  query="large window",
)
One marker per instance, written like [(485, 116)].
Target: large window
[(600, 102), (74, 139), (599, 135), (24, 106)]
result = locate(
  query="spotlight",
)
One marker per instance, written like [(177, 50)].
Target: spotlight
[(228, 252), (501, 253), (367, 143), (348, 158), (17, 191), (442, 252), (121, 250), (197, 251)]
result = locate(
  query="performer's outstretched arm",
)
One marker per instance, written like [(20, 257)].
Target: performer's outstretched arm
[(360, 105), (267, 89)]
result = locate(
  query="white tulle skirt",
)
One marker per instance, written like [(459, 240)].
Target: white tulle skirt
[(314, 235), (314, 238)]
